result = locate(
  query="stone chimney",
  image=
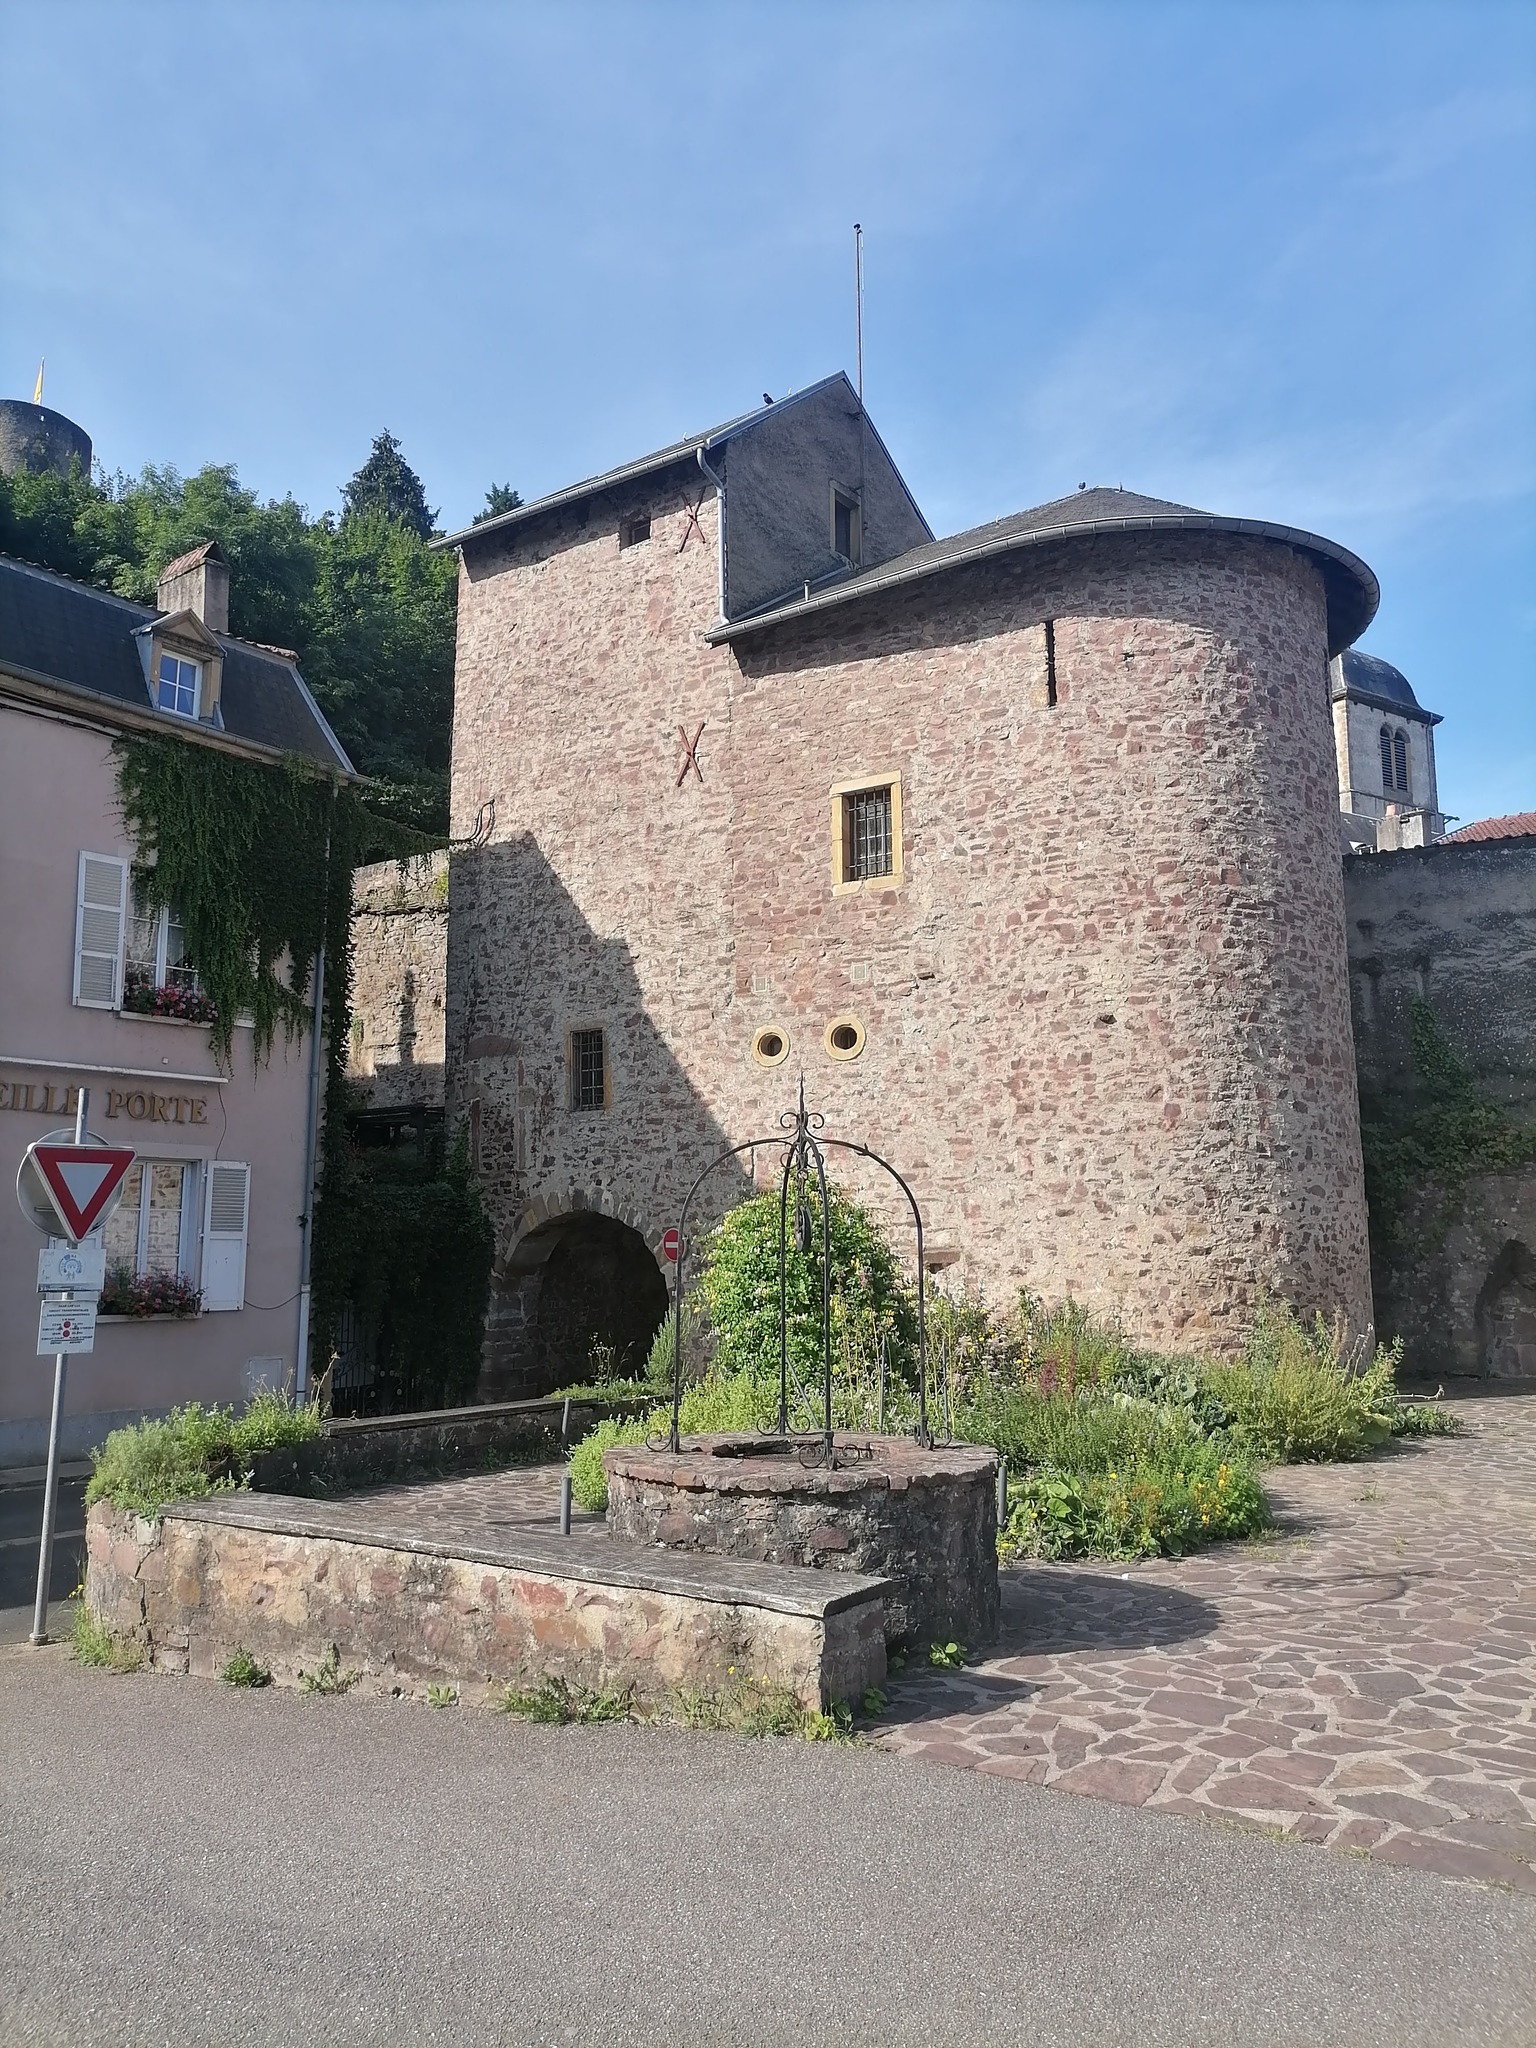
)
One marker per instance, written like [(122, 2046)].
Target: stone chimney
[(197, 582)]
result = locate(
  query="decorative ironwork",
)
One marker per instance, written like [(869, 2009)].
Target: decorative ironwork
[(805, 1151)]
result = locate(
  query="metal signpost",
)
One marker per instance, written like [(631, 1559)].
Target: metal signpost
[(68, 1184)]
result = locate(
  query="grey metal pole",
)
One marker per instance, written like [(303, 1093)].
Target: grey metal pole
[(565, 1504), (39, 1633), (311, 1146), (1002, 1493)]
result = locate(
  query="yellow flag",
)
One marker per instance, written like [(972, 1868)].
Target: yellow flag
[(37, 396)]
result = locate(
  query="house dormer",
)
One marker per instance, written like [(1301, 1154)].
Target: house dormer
[(181, 651)]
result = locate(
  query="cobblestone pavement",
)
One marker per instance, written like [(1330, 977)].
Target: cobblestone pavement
[(1366, 1678)]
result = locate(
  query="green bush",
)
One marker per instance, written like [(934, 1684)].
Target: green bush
[(715, 1404), (1158, 1506), (192, 1452), (1071, 1432), (1293, 1397), (738, 1290)]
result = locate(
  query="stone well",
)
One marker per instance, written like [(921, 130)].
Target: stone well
[(923, 1518)]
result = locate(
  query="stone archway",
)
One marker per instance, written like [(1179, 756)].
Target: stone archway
[(1506, 1314), (578, 1283)]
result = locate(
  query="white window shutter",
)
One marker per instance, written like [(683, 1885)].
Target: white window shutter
[(99, 905), (226, 1213)]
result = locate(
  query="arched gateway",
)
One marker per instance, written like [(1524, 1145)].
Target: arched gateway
[(579, 1288)]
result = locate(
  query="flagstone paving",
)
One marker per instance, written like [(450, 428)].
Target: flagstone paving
[(1365, 1678)]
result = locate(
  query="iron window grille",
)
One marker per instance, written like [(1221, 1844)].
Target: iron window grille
[(868, 841), (588, 1071)]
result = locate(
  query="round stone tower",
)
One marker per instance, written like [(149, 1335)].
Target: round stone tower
[(34, 438)]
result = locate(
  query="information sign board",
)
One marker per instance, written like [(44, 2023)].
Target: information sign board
[(66, 1326)]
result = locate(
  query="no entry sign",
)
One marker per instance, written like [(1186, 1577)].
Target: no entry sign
[(81, 1182), (671, 1243)]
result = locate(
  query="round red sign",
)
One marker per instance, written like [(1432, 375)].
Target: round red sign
[(670, 1241)]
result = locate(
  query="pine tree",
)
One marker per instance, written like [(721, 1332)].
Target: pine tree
[(386, 483)]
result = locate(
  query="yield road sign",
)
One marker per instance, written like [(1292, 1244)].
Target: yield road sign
[(82, 1182)]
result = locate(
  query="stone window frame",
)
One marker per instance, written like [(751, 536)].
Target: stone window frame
[(854, 785), (842, 1026), (575, 1028), (766, 1031)]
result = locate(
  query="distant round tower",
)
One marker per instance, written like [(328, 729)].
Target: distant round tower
[(34, 438)]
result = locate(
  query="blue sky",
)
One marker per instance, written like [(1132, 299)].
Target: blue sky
[(1270, 259)]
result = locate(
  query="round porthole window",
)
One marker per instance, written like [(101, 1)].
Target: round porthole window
[(770, 1045), (844, 1038)]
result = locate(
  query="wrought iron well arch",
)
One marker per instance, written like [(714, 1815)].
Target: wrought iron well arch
[(805, 1146)]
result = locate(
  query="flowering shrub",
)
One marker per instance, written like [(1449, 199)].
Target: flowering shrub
[(127, 1293), (189, 1005)]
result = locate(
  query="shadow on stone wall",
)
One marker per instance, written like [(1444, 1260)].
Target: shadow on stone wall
[(580, 1199)]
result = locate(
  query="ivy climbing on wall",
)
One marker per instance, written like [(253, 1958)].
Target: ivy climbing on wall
[(258, 861), (1434, 1140)]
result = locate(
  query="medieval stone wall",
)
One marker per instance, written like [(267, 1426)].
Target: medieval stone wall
[(399, 982), (1106, 1008), (1454, 926)]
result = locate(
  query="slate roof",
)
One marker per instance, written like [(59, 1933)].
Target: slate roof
[(79, 639), (1367, 679), (1519, 825), (1353, 592), (679, 451)]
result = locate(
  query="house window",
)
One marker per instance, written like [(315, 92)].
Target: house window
[(1400, 757), (155, 955), (152, 1229), (632, 531), (845, 527), (866, 833), (589, 1071), (178, 683)]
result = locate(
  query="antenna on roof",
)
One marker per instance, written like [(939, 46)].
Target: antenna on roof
[(858, 304)]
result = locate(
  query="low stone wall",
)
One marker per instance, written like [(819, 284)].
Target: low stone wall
[(924, 1519), (286, 1579), (370, 1450)]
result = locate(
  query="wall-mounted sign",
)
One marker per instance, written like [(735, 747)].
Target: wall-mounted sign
[(139, 1105)]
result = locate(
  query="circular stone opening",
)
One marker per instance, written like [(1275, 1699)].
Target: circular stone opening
[(770, 1046), (923, 1519), (844, 1038)]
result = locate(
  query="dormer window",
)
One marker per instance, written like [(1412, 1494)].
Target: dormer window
[(845, 527), (177, 685)]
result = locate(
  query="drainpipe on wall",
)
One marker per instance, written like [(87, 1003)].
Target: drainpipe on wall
[(719, 484), (307, 1219)]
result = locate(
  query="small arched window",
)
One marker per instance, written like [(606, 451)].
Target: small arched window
[(1400, 758), (1386, 758)]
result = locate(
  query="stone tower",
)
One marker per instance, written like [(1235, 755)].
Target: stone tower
[(33, 438), (1022, 846)]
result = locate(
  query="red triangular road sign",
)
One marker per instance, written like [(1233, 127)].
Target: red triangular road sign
[(81, 1181)]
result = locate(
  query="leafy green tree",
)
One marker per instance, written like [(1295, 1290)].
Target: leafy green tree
[(364, 604), (387, 483)]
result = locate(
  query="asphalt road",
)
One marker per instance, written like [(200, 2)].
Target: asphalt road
[(21, 1524), (181, 1863)]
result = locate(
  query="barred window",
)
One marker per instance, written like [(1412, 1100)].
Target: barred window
[(867, 834), (588, 1072)]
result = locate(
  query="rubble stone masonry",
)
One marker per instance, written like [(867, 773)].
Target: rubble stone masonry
[(1106, 1004)]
